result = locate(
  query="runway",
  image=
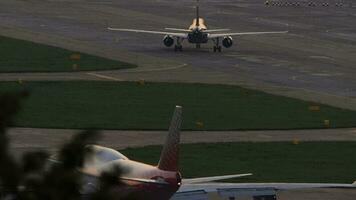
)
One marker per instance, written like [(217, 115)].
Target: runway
[(52, 139), (313, 62)]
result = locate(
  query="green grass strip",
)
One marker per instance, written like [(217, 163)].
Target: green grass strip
[(24, 56), (324, 162), (130, 105)]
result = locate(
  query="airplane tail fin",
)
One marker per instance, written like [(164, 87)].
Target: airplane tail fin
[(170, 153), (197, 21)]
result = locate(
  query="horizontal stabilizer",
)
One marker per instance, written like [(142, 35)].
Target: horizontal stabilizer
[(178, 29), (213, 178), (141, 180), (188, 30), (95, 173), (215, 30), (181, 35)]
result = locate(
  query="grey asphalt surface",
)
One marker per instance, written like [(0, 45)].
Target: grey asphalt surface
[(314, 62), (51, 139)]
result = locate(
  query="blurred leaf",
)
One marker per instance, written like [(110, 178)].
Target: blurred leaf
[(38, 178)]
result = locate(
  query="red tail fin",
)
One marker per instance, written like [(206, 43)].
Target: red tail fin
[(170, 153)]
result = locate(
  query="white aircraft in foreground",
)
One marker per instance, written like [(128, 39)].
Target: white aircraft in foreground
[(197, 33), (164, 181)]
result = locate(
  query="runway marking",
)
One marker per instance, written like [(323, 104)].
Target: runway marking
[(104, 76), (156, 69), (294, 78), (322, 57), (327, 74), (321, 74)]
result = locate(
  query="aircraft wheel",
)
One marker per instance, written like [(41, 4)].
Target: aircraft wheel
[(178, 48)]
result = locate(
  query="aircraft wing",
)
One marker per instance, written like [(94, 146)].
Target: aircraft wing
[(213, 187), (226, 190), (205, 31), (178, 29), (181, 35), (215, 30), (244, 33)]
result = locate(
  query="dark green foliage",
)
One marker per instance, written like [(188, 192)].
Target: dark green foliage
[(129, 105), (9, 106), (34, 162), (35, 177), (24, 56), (62, 180), (108, 180), (72, 154), (10, 172)]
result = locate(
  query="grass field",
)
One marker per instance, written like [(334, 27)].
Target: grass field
[(324, 162), (24, 56), (129, 105)]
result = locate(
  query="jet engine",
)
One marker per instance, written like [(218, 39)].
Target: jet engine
[(168, 41), (227, 42)]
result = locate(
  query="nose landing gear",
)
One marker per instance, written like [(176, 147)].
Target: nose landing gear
[(178, 46)]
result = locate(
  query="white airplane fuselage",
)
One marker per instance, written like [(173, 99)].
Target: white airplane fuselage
[(134, 179), (143, 181), (197, 35)]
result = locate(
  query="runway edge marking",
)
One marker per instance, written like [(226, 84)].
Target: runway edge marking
[(103, 76), (156, 69)]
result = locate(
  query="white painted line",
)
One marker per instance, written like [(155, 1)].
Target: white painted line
[(294, 78), (104, 76), (321, 74), (328, 74), (156, 69), (322, 57)]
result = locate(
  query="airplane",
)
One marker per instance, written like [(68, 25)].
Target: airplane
[(164, 181), (197, 34)]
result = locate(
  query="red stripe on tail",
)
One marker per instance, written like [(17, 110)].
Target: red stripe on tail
[(170, 153)]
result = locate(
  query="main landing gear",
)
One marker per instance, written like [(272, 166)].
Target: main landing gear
[(178, 46), (217, 47)]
